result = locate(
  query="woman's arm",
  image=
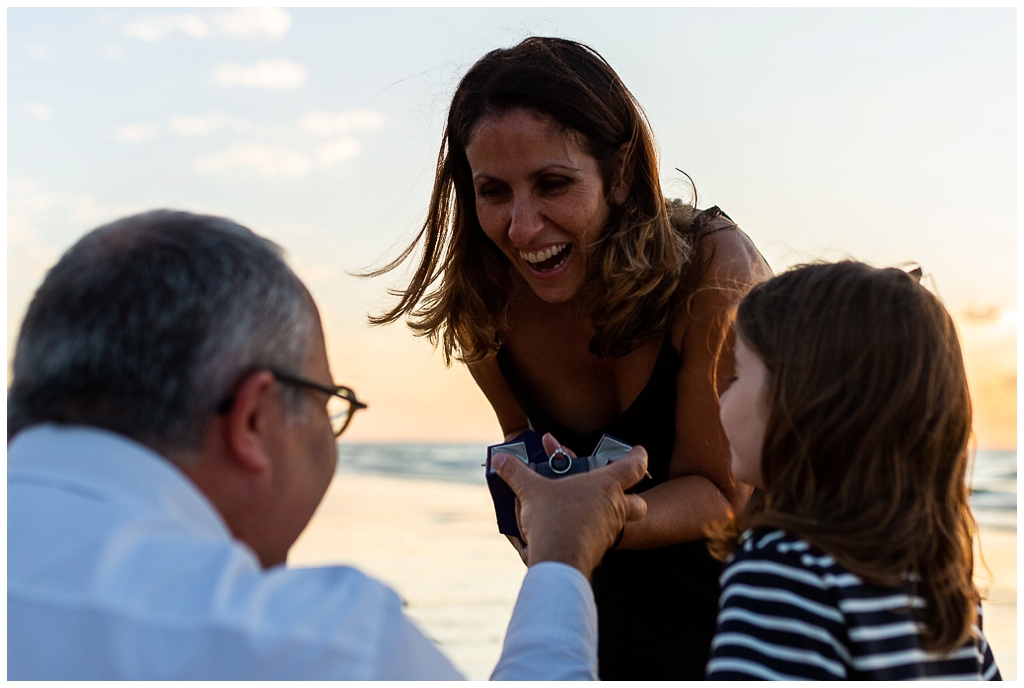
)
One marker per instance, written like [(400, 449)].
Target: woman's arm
[(510, 415), (701, 489)]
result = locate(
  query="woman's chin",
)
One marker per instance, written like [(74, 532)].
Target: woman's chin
[(560, 285), (554, 298), (554, 293)]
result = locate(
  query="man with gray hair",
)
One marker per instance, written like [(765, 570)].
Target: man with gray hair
[(171, 428)]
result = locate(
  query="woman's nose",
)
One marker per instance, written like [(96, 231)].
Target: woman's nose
[(526, 222)]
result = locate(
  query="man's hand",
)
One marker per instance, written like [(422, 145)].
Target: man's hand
[(574, 520), (550, 445)]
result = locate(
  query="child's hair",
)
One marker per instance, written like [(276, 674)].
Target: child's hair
[(866, 444)]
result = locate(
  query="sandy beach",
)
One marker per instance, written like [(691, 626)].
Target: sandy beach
[(436, 544)]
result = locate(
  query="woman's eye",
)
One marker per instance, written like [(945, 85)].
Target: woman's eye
[(554, 184), (490, 191)]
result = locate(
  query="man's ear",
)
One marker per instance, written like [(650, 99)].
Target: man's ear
[(623, 166), (251, 421)]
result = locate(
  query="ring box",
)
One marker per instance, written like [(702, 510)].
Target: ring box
[(529, 449)]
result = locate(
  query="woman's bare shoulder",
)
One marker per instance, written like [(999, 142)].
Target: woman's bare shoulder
[(726, 255), (726, 265)]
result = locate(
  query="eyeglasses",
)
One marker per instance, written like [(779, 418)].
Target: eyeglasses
[(341, 405)]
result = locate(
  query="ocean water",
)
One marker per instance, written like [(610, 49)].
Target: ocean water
[(993, 482), (993, 479)]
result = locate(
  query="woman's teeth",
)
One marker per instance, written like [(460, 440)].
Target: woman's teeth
[(549, 259)]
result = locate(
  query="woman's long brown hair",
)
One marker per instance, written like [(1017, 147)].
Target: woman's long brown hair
[(866, 446), (459, 293)]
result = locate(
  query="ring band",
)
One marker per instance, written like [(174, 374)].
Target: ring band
[(551, 461)]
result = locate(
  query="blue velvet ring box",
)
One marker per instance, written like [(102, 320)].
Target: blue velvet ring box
[(527, 447)]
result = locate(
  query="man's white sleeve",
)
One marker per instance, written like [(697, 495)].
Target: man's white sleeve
[(410, 656), (553, 632)]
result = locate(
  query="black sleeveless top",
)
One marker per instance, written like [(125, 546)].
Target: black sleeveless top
[(656, 608)]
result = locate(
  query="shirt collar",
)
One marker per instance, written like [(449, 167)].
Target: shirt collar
[(113, 467)]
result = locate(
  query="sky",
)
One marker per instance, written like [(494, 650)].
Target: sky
[(885, 135)]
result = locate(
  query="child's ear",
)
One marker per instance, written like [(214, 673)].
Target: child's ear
[(623, 166)]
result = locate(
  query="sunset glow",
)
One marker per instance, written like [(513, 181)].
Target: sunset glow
[(880, 134)]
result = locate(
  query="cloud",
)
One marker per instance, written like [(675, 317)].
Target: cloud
[(1008, 319), (277, 74), (86, 210), (268, 161), (338, 150), (200, 125), (32, 205), (271, 151), (26, 196), (30, 210), (271, 22), (41, 225), (329, 124), (40, 111), (159, 26), (193, 126), (135, 133), (113, 52), (39, 52), (1008, 382), (28, 256), (989, 314), (990, 318), (185, 125), (338, 124), (982, 314)]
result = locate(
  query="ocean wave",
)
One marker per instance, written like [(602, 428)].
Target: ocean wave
[(993, 476)]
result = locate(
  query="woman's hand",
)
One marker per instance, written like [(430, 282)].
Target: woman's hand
[(551, 445)]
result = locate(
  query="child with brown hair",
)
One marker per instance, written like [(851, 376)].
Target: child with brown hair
[(850, 413)]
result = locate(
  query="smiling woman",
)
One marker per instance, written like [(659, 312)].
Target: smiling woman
[(585, 303), (525, 169)]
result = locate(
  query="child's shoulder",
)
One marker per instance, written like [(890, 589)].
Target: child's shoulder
[(757, 543), (773, 550)]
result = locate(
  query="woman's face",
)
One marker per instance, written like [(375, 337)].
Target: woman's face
[(744, 414), (539, 197)]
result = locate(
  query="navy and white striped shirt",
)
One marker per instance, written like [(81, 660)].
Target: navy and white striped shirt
[(789, 611)]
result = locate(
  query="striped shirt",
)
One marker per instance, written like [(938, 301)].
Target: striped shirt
[(788, 611)]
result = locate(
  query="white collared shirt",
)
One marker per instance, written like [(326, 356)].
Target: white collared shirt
[(118, 567)]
